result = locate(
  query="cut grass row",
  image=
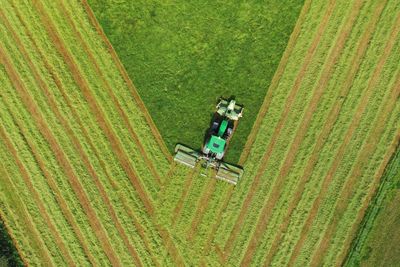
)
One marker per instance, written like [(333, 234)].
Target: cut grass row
[(19, 145), (80, 151), (323, 135), (100, 186), (376, 40), (101, 145), (327, 101), (362, 128), (106, 115)]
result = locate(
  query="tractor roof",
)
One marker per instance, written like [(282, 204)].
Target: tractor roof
[(216, 144)]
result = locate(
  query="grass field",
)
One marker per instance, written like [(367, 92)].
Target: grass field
[(376, 242), (76, 144), (86, 179), (326, 130), (184, 55)]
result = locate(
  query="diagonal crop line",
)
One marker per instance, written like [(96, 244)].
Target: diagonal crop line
[(363, 44), (75, 141), (61, 88), (104, 124), (338, 157), (27, 180), (58, 195), (317, 93), (61, 157), (79, 79), (377, 180), (201, 207), (186, 188), (366, 152), (42, 248)]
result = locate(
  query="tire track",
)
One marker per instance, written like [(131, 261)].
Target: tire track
[(199, 213), (53, 107), (27, 218), (61, 158), (274, 82), (109, 91), (347, 190), (284, 115), (103, 123), (330, 122), (338, 157), (128, 81), (327, 72), (92, 147)]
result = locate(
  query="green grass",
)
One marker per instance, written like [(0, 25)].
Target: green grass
[(76, 184), (8, 253), (378, 238), (183, 55), (44, 77)]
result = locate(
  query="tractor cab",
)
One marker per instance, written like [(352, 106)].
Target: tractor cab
[(215, 147)]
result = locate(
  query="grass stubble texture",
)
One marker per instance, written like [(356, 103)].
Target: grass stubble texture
[(85, 179), (183, 55), (72, 165)]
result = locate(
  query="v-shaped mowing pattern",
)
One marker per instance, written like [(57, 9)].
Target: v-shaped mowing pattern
[(86, 178)]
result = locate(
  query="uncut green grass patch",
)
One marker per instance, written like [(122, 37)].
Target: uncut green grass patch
[(376, 240), (8, 253), (182, 56)]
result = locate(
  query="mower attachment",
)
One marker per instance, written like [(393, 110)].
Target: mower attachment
[(186, 155), (229, 173)]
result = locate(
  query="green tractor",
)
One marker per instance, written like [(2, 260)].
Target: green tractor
[(215, 144)]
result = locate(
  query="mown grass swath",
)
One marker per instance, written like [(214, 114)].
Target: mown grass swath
[(80, 177), (85, 178)]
